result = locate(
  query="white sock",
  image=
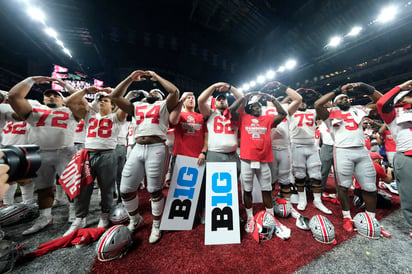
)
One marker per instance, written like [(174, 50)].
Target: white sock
[(156, 223), (372, 214), (249, 212), (302, 196), (132, 204), (346, 214), (8, 198), (317, 197), (27, 192), (45, 212)]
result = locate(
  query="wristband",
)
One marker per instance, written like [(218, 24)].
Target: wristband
[(204, 153), (29, 81), (368, 89), (230, 86)]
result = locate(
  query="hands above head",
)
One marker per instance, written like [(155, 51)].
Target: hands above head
[(136, 93), (406, 85), (185, 95), (93, 89), (44, 79), (222, 87), (137, 75)]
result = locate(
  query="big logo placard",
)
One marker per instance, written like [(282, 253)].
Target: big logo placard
[(183, 195), (222, 204)]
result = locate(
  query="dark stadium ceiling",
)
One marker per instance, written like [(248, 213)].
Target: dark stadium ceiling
[(202, 42)]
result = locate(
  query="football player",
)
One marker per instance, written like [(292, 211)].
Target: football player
[(351, 157), (149, 155)]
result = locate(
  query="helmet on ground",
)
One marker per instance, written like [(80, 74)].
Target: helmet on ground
[(118, 214), (10, 252), (367, 226), (265, 226), (282, 207), (114, 243), (322, 229), (16, 213)]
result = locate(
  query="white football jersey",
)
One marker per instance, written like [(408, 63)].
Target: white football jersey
[(51, 128), (223, 133), (151, 119), (123, 133), (325, 135), (302, 125), (80, 133), (15, 133), (279, 134), (102, 131), (346, 126), (130, 136), (402, 134)]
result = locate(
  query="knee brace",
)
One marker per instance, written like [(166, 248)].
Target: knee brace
[(285, 189), (300, 182), (315, 184)]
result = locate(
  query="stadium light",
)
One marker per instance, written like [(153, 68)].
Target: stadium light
[(387, 14), (260, 79), (36, 14), (252, 83), (245, 87), (335, 41), (67, 52), (290, 64), (60, 43), (51, 32), (281, 69), (355, 31), (270, 74)]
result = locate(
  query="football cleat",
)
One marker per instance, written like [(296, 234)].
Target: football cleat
[(348, 224), (155, 234), (135, 224), (250, 225), (40, 223), (77, 224), (319, 205)]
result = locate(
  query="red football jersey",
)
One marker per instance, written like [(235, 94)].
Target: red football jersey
[(189, 134), (255, 138)]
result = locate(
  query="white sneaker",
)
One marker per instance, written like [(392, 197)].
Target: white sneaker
[(250, 225), (135, 224), (41, 222), (155, 235), (319, 205), (104, 220), (79, 223)]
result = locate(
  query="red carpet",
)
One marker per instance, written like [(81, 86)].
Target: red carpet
[(184, 251)]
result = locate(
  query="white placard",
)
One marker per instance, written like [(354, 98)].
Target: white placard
[(183, 195), (222, 205)]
